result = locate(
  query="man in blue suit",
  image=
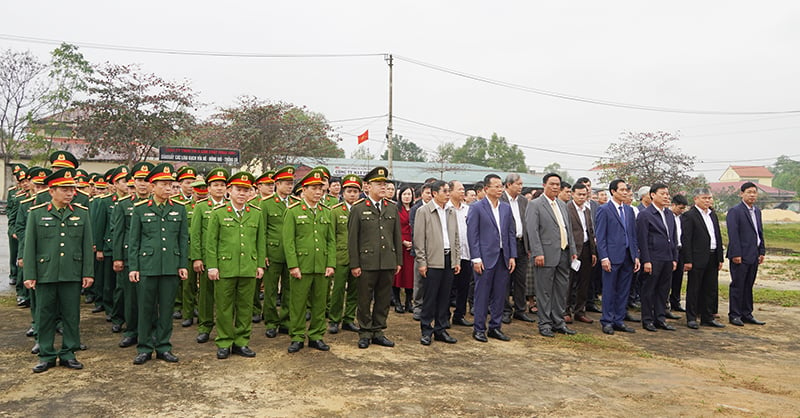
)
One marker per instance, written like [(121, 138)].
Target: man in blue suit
[(746, 251), (491, 234), (618, 251), (658, 253)]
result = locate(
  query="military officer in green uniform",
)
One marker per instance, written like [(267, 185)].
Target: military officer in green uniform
[(309, 244), (273, 208), (234, 257), (64, 159), (186, 299), (120, 230), (12, 195), (158, 245), (201, 214), (341, 309), (375, 247), (57, 263)]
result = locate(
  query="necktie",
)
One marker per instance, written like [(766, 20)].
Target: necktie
[(624, 224), (562, 228), (664, 219), (378, 206)]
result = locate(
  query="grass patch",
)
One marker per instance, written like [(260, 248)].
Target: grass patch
[(783, 236), (8, 300), (786, 298)]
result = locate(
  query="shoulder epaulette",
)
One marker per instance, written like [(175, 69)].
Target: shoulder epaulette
[(269, 196), (201, 200), (337, 205), (254, 206), (30, 199), (42, 191), (324, 205), (20, 193), (141, 202), (359, 201), (12, 187), (80, 206), (218, 207), (291, 196), (81, 191), (293, 205), (40, 205), (180, 202)]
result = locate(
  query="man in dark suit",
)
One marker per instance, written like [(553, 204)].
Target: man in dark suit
[(491, 232), (517, 283), (580, 217), (596, 279), (678, 207), (618, 251), (701, 253), (655, 228), (552, 249), (746, 251)]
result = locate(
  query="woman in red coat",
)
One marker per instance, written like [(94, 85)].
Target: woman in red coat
[(404, 279)]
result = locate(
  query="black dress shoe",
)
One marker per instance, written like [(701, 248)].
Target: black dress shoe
[(480, 336), (283, 330), (417, 316), (506, 318), (349, 326), (382, 341), (671, 315), (363, 342), (142, 358), (256, 318), (425, 340), (177, 315), (223, 352), (83, 347), (546, 332), (89, 299), (71, 364), (678, 308), (108, 318), (445, 337), (497, 334), (98, 309), (295, 346), (624, 328), (243, 351), (116, 328), (30, 332), (319, 345), (43, 366), (399, 309), (591, 307), (35, 349), (59, 331), (631, 318), (752, 320), (713, 323), (737, 321), (128, 341), (692, 324), (463, 322), (522, 316), (333, 328), (565, 330), (202, 337), (649, 326), (271, 333), (608, 329), (665, 326), (167, 356), (187, 322)]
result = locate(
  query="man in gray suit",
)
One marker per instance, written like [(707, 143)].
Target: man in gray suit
[(517, 285), (553, 249)]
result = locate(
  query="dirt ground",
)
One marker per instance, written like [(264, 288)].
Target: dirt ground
[(749, 371)]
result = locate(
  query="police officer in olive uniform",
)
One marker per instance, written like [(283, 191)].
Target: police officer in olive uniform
[(309, 244), (186, 299), (273, 208), (327, 199), (265, 186), (120, 230), (58, 261), (375, 247), (342, 309), (201, 215), (235, 250), (158, 245)]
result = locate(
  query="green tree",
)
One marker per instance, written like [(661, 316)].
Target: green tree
[(645, 158), (404, 150), (495, 153), (556, 168), (787, 174)]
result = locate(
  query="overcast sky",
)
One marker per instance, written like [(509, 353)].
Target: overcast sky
[(718, 56)]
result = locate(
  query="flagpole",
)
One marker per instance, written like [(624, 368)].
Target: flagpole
[(389, 126)]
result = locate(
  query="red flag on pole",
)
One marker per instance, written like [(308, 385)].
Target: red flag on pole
[(363, 137)]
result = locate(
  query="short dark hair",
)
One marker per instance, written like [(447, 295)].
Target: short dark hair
[(656, 187), (489, 177), (436, 185), (680, 199), (583, 180), (335, 180), (430, 179), (548, 175), (478, 186), (614, 185), (579, 186), (565, 185), (748, 185)]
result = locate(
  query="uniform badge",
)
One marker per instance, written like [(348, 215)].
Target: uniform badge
[(74, 218), (173, 213), (367, 212), (47, 218), (227, 219), (302, 217)]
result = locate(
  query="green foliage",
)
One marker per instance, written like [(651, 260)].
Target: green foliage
[(787, 174), (495, 153), (404, 150), (556, 168)]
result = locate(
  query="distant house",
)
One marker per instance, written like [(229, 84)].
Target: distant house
[(756, 174)]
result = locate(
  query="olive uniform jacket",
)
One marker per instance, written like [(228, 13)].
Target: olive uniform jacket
[(235, 245), (374, 239), (308, 238), (273, 210), (158, 243), (201, 215), (59, 245), (339, 216), (121, 227)]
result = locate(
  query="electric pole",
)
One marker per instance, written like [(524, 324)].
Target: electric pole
[(389, 132)]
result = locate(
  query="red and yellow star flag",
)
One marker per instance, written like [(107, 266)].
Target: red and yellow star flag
[(363, 137)]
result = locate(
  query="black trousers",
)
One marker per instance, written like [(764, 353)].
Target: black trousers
[(517, 287), (461, 283), (655, 291), (435, 315), (579, 283), (677, 281), (702, 290)]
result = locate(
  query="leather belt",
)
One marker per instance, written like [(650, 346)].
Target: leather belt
[(447, 251)]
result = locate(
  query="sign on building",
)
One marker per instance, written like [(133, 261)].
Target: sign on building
[(199, 155)]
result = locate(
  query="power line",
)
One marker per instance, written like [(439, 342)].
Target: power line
[(579, 98)]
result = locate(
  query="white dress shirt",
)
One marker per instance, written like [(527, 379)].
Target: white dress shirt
[(461, 216), (515, 211), (706, 214)]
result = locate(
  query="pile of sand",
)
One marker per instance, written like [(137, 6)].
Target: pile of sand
[(779, 215)]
